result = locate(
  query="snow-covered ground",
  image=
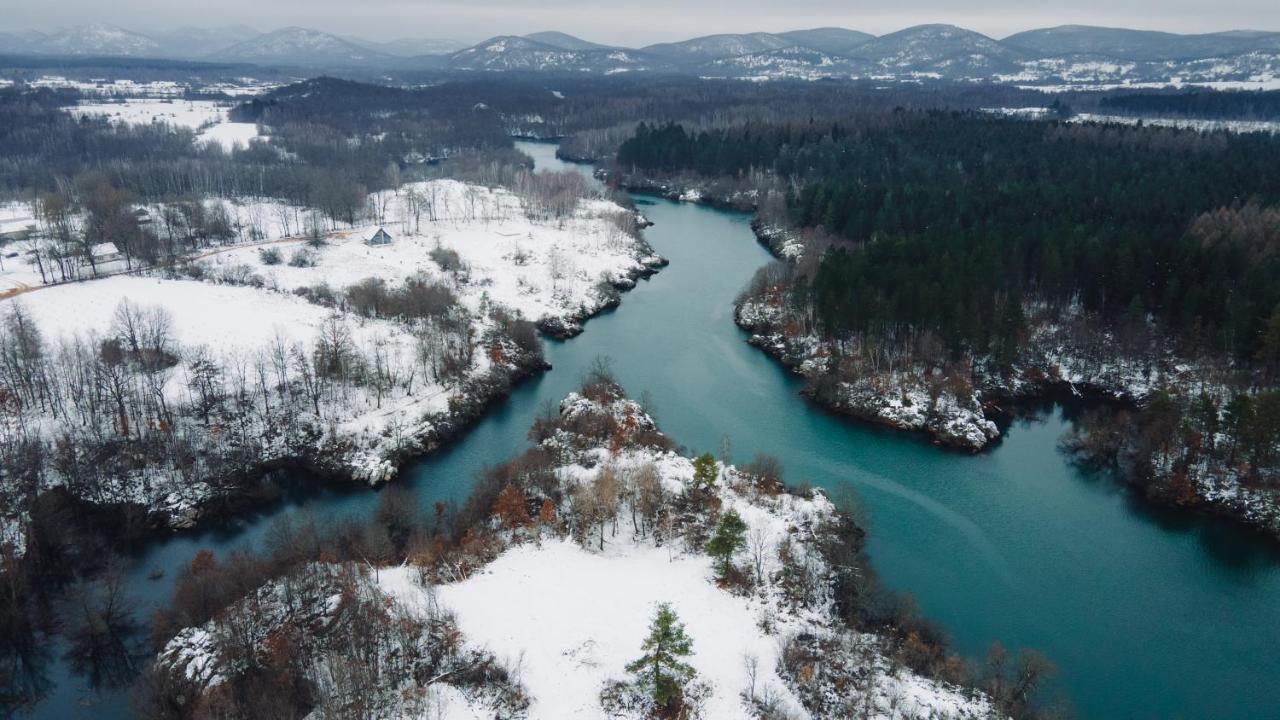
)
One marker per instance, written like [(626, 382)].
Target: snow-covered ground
[(15, 272), (1235, 126), (549, 271), (205, 116), (226, 317)]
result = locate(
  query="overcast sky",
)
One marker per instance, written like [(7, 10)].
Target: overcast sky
[(638, 22)]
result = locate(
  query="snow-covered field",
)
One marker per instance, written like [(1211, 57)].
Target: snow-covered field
[(545, 270), (208, 117), (228, 318)]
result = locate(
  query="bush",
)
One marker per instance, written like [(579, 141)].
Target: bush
[(269, 256), (321, 294), (447, 259), (303, 257)]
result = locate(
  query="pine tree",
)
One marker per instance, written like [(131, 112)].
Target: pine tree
[(660, 672), (729, 538), (704, 471)]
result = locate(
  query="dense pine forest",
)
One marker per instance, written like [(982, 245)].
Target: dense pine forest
[(968, 212)]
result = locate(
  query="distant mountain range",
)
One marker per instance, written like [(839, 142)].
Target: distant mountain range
[(1071, 54)]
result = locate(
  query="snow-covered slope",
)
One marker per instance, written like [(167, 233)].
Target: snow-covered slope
[(791, 62)]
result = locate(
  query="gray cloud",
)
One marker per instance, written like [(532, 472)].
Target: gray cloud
[(638, 23)]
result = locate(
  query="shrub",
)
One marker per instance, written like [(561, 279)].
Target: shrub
[(303, 257)]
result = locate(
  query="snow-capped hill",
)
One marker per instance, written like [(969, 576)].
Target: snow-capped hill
[(791, 62), (98, 39), (831, 40), (712, 47), (300, 46), (511, 52), (941, 50)]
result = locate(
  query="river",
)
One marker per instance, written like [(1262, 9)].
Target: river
[(1146, 615)]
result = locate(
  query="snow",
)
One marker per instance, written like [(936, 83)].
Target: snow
[(582, 617), (1235, 126), (231, 134), (207, 117), (234, 323), (226, 317), (241, 309), (15, 216), (104, 250), (191, 114), (543, 269)]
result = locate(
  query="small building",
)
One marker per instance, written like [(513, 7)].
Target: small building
[(377, 236), (105, 253)]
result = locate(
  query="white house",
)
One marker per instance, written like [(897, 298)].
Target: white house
[(376, 236), (105, 253)]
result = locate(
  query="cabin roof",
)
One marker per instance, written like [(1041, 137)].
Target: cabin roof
[(370, 234), (103, 249)]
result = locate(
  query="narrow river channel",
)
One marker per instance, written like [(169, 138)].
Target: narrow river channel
[(1147, 616)]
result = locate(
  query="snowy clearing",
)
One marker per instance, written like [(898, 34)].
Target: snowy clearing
[(205, 116)]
